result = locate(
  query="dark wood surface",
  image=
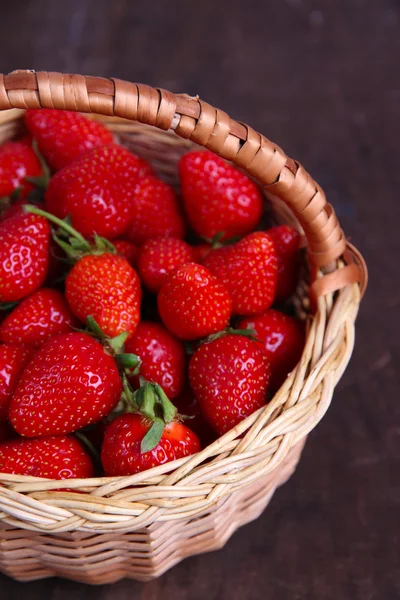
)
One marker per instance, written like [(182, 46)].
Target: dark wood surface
[(321, 78)]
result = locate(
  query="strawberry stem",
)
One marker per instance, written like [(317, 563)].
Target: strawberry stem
[(62, 224)]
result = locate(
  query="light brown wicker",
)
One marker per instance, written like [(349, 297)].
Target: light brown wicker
[(140, 526)]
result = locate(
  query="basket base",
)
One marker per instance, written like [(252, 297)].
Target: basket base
[(143, 555)]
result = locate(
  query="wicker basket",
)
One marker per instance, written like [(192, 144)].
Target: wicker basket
[(139, 526)]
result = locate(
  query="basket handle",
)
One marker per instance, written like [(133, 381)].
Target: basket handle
[(194, 119)]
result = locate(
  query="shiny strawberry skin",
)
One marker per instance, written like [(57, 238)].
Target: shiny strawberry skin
[(230, 378), (217, 197), (287, 245), (127, 250), (193, 303), (162, 357), (155, 212), (65, 136), (60, 457), (38, 318), (97, 191), (70, 382), (282, 339), (249, 271), (24, 255), (160, 256), (13, 360), (120, 454), (107, 288), (17, 161)]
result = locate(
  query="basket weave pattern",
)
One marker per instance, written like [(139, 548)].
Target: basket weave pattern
[(140, 526)]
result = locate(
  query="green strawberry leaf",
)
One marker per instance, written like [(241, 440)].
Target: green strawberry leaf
[(169, 411), (128, 361), (153, 436)]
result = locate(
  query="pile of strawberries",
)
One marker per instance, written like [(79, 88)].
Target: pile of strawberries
[(135, 324)]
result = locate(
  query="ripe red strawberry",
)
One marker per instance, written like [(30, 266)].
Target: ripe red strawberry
[(127, 250), (162, 357), (70, 382), (160, 256), (230, 377), (52, 457), (13, 360), (193, 303), (287, 243), (107, 288), (17, 161), (97, 191), (24, 255), (282, 340), (201, 251), (121, 452), (65, 136), (217, 197), (38, 318), (155, 212), (249, 271)]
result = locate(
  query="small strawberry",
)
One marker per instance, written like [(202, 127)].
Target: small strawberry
[(193, 303), (162, 357), (287, 243), (229, 377), (160, 256), (70, 382), (17, 161), (282, 340), (217, 197), (24, 255), (38, 318), (127, 250), (13, 360), (64, 136), (155, 212), (52, 457), (249, 271), (97, 191)]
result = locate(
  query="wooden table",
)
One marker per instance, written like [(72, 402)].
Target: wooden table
[(321, 78)]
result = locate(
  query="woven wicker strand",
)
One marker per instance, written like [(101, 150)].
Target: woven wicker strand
[(140, 526)]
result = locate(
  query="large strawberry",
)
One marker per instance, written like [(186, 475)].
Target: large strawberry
[(162, 357), (24, 255), (13, 360), (155, 212), (249, 271), (229, 377), (70, 382), (65, 136), (160, 256), (217, 197), (193, 303), (282, 340), (52, 457), (37, 318), (17, 162), (287, 243), (97, 191)]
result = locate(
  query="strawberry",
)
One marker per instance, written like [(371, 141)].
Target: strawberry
[(217, 197), (230, 377), (38, 318), (96, 191), (13, 208), (287, 244), (282, 340), (70, 382), (201, 251), (122, 452), (52, 457), (160, 256), (17, 161), (24, 255), (64, 136), (162, 357), (193, 303), (249, 271), (155, 212), (127, 250), (13, 360)]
